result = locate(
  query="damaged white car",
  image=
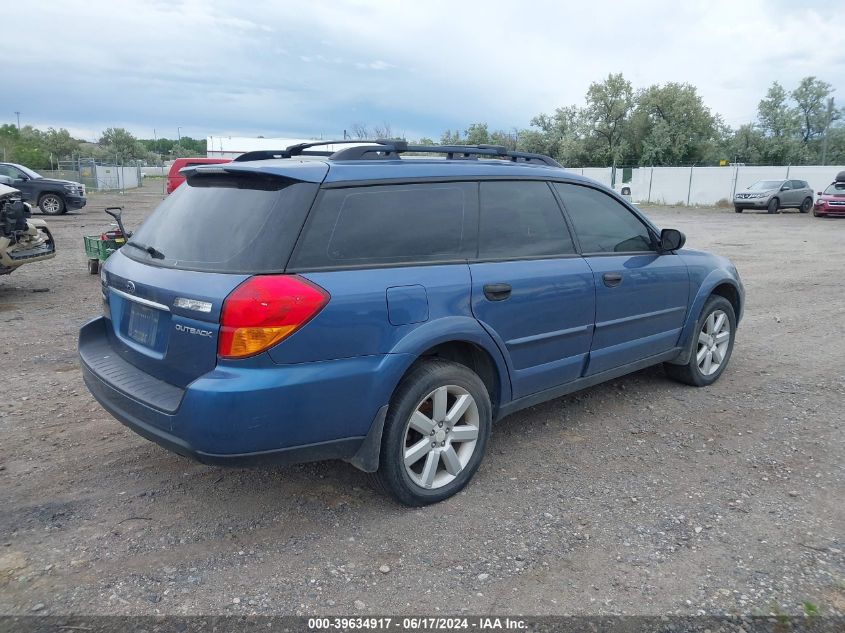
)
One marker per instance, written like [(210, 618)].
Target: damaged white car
[(22, 239)]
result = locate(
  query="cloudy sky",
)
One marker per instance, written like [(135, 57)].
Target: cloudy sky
[(312, 68)]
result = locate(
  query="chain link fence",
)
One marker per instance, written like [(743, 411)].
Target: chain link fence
[(97, 175)]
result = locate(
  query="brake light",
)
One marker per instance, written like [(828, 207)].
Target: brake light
[(265, 309)]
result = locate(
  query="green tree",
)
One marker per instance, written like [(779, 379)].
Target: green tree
[(120, 144), (811, 98), (672, 126), (746, 145), (609, 103), (564, 132), (476, 134), (60, 143), (780, 126)]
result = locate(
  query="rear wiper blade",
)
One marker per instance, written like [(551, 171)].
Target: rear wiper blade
[(152, 252)]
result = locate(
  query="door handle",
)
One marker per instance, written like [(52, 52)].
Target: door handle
[(611, 280), (497, 292)]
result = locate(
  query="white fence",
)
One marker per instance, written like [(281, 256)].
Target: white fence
[(704, 185), (111, 177)]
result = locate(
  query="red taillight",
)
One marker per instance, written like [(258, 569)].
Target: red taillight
[(265, 309)]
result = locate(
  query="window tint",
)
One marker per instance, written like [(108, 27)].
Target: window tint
[(603, 225), (390, 224), (521, 219), (11, 172), (229, 224), (798, 184)]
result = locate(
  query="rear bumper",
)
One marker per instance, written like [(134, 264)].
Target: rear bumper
[(244, 415), (135, 415)]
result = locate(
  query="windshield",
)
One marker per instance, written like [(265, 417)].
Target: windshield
[(765, 185), (28, 171), (227, 224), (835, 189)]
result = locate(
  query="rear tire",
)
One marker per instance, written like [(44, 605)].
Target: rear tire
[(93, 266), (422, 460), (738, 209), (699, 370), (51, 204), (806, 205), (773, 205)]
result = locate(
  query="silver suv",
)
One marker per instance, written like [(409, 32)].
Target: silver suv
[(773, 195)]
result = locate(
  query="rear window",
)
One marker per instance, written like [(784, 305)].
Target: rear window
[(393, 224), (521, 219), (225, 223)]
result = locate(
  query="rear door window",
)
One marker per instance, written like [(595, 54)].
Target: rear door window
[(390, 224), (521, 219), (225, 223)]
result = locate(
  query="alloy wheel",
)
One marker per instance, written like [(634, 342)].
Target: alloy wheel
[(441, 436), (713, 342), (51, 205)]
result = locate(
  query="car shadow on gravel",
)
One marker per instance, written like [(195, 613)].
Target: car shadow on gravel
[(338, 486)]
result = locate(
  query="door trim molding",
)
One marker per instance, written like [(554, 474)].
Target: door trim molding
[(582, 383)]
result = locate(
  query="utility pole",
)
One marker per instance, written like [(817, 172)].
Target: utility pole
[(18, 114), (827, 129), (179, 134)]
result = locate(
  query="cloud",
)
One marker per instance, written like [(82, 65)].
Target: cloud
[(376, 65), (303, 68)]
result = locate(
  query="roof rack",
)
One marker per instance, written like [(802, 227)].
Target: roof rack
[(300, 149), (391, 149)]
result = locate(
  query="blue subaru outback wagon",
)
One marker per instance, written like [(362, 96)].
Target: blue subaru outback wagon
[(386, 303)]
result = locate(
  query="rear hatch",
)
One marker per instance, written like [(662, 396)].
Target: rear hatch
[(166, 286)]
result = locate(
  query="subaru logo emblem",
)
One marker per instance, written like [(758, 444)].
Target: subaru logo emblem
[(130, 287)]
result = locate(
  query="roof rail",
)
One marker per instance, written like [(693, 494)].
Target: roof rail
[(302, 149), (391, 149)]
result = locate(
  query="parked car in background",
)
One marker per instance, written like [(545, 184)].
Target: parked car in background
[(22, 239), (51, 195), (831, 201), (302, 304), (174, 178), (774, 195)]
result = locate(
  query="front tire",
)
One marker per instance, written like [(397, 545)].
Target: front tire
[(806, 205), (712, 345), (51, 204), (773, 205), (738, 209), (93, 266), (435, 433)]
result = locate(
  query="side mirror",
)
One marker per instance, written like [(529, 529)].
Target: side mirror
[(818, 193), (671, 240), (22, 178), (785, 188)]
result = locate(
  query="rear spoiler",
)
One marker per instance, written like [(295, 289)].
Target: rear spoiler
[(302, 171)]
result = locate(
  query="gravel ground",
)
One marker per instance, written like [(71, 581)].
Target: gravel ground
[(640, 496)]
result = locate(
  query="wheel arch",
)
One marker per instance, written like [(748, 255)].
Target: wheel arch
[(46, 192), (718, 283), (730, 292), (458, 339), (464, 341)]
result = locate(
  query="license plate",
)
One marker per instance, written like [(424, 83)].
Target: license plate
[(143, 323)]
